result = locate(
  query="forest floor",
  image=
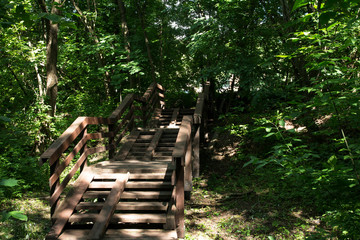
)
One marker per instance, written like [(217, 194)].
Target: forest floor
[(228, 202), (232, 202)]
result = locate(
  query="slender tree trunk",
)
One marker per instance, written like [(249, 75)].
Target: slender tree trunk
[(142, 22), (51, 60), (40, 93), (125, 32)]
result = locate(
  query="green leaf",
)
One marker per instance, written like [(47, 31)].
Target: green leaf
[(18, 215), (282, 123), (53, 17), (299, 3), (268, 129), (11, 182), (269, 134), (271, 238), (282, 56)]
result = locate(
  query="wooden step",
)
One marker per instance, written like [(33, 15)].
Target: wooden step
[(158, 149), (99, 170), (126, 206), (126, 234), (132, 185), (136, 176), (162, 154), (158, 195), (121, 217)]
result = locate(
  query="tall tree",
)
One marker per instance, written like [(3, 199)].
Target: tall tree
[(52, 57), (141, 16)]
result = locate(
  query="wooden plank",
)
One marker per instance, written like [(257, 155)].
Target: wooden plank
[(170, 213), (182, 137), (125, 149), (180, 199), (154, 142), (196, 151), (103, 218), (54, 197), (55, 176), (128, 100), (137, 176), (125, 234), (138, 168), (66, 208), (124, 120), (64, 141), (121, 217), (130, 194), (125, 206), (99, 135), (174, 116), (199, 109), (188, 166), (98, 120), (134, 164), (124, 131), (148, 92)]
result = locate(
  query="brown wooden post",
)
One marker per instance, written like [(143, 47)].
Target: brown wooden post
[(196, 152), (188, 167), (111, 141), (83, 149), (180, 198), (53, 187)]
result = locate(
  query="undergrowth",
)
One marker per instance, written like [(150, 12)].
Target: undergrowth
[(296, 170)]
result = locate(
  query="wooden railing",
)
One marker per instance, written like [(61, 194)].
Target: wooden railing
[(200, 119), (61, 155), (186, 157), (182, 159)]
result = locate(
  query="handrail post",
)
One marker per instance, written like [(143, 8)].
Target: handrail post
[(111, 140), (53, 187), (196, 151), (83, 149), (180, 198)]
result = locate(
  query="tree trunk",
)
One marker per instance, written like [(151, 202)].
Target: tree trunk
[(125, 32), (142, 22), (51, 60)]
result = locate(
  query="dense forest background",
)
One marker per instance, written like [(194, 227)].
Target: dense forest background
[(285, 77)]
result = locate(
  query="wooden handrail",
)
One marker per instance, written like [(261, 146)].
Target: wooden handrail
[(182, 138), (182, 158), (119, 122), (200, 103)]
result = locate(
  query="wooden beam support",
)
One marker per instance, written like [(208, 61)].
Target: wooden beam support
[(153, 144), (109, 207), (124, 151)]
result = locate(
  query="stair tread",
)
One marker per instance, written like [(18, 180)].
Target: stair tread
[(159, 234), (130, 194), (122, 217), (126, 206), (132, 184), (142, 176)]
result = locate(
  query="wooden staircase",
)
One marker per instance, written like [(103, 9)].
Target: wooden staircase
[(139, 191)]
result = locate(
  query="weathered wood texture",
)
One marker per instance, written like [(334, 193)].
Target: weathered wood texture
[(66, 208), (108, 209), (145, 182)]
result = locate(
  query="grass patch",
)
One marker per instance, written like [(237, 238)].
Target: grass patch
[(38, 222)]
